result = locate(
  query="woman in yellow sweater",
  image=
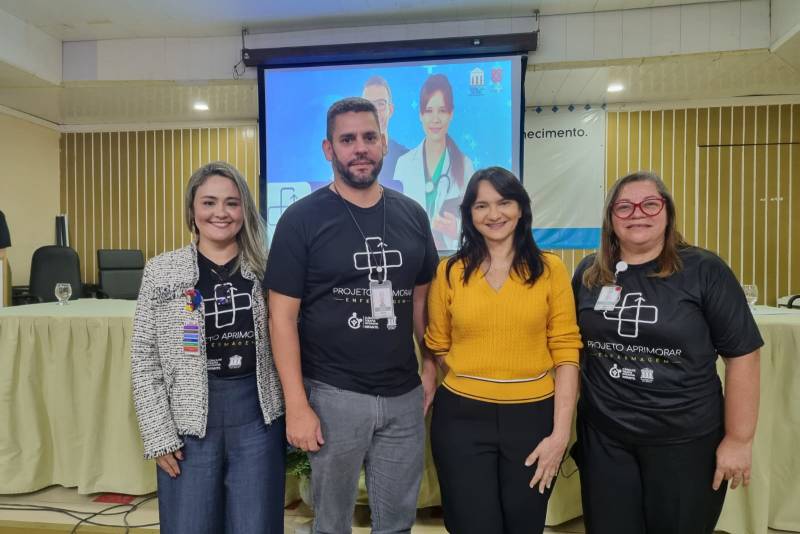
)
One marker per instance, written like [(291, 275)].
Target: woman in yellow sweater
[(501, 318)]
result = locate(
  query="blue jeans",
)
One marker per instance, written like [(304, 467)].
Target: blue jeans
[(387, 436), (232, 480)]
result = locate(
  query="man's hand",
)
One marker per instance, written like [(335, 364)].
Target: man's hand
[(169, 463), (734, 458), (303, 429)]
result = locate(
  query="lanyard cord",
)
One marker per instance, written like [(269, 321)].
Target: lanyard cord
[(379, 268)]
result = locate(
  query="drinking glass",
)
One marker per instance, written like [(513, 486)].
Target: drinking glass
[(751, 294), (63, 292)]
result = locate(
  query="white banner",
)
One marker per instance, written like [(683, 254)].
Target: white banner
[(563, 172)]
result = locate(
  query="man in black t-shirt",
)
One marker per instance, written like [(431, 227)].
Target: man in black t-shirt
[(5, 237), (5, 277), (353, 261)]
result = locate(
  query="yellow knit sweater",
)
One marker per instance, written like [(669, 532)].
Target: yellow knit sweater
[(501, 345)]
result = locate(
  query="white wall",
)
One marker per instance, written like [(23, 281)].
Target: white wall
[(25, 47), (658, 31), (785, 19), (29, 189), (613, 35)]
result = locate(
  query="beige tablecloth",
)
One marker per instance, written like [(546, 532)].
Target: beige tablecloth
[(773, 497), (66, 411), (67, 417)]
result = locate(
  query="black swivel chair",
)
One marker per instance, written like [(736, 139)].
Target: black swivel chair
[(120, 273), (50, 265)]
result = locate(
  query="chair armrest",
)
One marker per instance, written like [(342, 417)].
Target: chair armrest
[(21, 295), (92, 291)]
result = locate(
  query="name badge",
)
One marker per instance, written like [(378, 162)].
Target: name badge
[(608, 298), (191, 337), (381, 300)]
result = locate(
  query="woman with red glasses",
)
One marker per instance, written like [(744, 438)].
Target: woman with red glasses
[(657, 441)]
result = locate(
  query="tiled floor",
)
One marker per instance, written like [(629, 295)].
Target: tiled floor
[(298, 516)]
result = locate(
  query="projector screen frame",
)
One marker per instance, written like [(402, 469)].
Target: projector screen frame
[(388, 51)]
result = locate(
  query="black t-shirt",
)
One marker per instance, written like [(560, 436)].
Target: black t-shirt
[(230, 332), (319, 256), (648, 367), (5, 237)]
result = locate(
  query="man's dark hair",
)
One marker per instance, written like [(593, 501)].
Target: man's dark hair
[(354, 104)]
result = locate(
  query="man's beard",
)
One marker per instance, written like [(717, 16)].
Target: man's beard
[(358, 182)]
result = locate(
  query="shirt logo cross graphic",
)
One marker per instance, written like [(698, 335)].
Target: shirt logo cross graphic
[(236, 301), (631, 313), (377, 256)]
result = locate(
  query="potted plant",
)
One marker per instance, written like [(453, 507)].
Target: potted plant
[(297, 465)]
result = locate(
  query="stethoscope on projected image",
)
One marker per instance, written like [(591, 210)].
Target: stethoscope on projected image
[(443, 188)]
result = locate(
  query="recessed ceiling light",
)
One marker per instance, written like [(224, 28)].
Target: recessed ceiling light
[(615, 87), (200, 106)]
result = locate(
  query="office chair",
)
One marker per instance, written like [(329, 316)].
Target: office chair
[(50, 265), (120, 273)]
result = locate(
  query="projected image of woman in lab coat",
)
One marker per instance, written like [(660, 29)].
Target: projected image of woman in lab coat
[(436, 171)]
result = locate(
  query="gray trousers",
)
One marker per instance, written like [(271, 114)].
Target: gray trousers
[(384, 434)]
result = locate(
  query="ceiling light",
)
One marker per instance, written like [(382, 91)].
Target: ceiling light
[(200, 106), (615, 87)]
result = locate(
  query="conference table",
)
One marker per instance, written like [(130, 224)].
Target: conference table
[(67, 416), (66, 410)]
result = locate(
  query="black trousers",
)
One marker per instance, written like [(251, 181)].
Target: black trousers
[(647, 489), (479, 449)]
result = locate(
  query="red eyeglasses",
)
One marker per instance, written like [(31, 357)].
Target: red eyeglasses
[(650, 207)]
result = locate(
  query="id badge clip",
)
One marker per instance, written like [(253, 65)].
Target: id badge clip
[(608, 298), (382, 300)]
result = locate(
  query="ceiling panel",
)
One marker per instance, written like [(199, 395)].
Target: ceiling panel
[(79, 20), (548, 88), (127, 103), (696, 77), (13, 77), (596, 88)]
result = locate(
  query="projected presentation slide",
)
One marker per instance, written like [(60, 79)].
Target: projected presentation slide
[(443, 120)]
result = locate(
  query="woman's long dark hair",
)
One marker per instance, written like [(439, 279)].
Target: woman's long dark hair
[(528, 260), (434, 83)]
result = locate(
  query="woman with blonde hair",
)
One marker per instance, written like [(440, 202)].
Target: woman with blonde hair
[(207, 395), (657, 441)]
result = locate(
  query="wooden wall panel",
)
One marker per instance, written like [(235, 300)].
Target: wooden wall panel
[(733, 172), (125, 189)]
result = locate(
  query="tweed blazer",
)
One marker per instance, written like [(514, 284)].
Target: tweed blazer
[(170, 386)]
